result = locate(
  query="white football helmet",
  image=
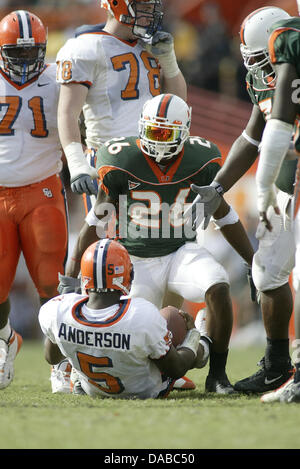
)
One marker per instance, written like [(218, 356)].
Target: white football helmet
[(164, 126), (254, 35)]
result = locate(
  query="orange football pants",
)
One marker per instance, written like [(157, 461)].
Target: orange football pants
[(33, 219)]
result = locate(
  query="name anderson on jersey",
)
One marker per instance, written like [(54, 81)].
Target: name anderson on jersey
[(94, 339)]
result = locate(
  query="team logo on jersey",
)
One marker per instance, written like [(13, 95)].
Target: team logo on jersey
[(47, 192), (133, 185)]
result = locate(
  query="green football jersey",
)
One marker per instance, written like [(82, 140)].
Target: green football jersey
[(284, 43), (262, 96), (151, 198), (284, 47)]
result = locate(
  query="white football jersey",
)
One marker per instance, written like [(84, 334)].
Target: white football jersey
[(109, 348), (30, 150), (121, 76)]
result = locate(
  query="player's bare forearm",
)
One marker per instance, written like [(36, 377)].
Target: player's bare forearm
[(87, 236), (52, 352), (240, 158), (237, 237), (176, 363), (71, 99), (176, 85)]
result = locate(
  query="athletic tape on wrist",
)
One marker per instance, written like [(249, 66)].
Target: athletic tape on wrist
[(76, 161), (191, 341), (168, 63)]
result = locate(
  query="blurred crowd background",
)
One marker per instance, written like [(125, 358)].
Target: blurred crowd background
[(206, 34)]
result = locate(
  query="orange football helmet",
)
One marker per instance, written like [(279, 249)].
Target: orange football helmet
[(143, 16), (23, 40), (106, 266)]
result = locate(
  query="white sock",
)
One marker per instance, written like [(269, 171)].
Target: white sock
[(5, 332)]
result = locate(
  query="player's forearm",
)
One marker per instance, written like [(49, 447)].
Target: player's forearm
[(240, 158), (53, 354), (236, 236), (87, 236), (175, 85), (71, 100), (275, 144), (68, 129)]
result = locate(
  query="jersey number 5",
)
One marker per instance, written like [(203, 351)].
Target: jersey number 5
[(92, 367)]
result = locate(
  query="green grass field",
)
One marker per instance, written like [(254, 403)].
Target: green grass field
[(33, 418)]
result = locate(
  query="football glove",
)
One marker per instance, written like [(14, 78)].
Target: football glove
[(253, 291), (162, 43), (68, 284), (83, 183), (162, 47), (210, 197)]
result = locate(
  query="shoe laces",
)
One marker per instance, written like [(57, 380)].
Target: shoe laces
[(62, 375)]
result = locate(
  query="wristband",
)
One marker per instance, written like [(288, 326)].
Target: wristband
[(91, 219), (256, 143), (230, 219), (191, 341), (217, 186)]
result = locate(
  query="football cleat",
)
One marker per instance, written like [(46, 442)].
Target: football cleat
[(75, 384), (264, 380), (8, 352), (184, 384), (219, 385), (288, 392), (60, 377), (274, 396)]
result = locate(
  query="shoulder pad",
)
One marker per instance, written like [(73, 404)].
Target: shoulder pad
[(89, 28)]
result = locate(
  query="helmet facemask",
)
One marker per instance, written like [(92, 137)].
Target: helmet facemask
[(160, 139), (22, 63), (144, 17), (258, 63), (147, 17), (254, 33)]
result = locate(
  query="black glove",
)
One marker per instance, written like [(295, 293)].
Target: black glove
[(84, 184), (253, 291)]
